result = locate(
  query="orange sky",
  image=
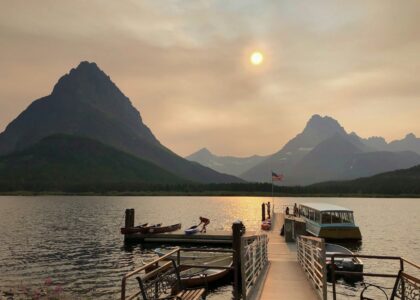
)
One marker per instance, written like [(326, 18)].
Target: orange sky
[(184, 65)]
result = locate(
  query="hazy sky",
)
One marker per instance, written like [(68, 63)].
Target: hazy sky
[(184, 64)]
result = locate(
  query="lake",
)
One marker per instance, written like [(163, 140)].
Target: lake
[(76, 240)]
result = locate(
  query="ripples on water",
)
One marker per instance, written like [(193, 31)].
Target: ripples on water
[(76, 241)]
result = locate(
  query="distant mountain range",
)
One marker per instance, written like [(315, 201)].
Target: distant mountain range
[(325, 151), (62, 161), (400, 182), (87, 103), (225, 164)]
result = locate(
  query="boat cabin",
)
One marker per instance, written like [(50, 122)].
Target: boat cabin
[(329, 221)]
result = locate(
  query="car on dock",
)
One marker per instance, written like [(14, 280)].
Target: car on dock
[(328, 221)]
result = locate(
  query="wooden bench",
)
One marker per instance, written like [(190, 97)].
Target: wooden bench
[(164, 282)]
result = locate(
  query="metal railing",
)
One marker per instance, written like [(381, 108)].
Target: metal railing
[(254, 259), (169, 256), (406, 287), (311, 257)]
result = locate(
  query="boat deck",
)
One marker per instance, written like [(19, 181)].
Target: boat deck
[(179, 237)]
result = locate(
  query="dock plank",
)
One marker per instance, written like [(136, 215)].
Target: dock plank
[(285, 278)]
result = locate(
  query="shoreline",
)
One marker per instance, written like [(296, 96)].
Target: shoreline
[(207, 194)]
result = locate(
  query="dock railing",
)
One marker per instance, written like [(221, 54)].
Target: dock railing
[(406, 286), (174, 255), (311, 257), (254, 260)]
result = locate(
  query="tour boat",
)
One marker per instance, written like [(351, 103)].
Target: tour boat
[(329, 221)]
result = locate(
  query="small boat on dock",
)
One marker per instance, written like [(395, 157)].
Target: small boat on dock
[(328, 221), (156, 228), (163, 229), (132, 229), (192, 230), (266, 225), (352, 264)]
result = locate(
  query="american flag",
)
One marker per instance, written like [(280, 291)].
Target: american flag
[(276, 177)]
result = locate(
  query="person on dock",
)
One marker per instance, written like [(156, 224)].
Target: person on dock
[(269, 210), (295, 210), (205, 222), (287, 211)]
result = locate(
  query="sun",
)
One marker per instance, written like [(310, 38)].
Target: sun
[(256, 58)]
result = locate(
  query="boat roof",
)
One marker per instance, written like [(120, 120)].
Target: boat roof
[(326, 207)]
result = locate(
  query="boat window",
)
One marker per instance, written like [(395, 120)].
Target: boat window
[(335, 217), (318, 217), (347, 217), (326, 218)]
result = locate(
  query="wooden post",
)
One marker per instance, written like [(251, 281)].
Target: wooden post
[(263, 212), (237, 231), (129, 217)]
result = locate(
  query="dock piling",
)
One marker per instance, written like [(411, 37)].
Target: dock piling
[(129, 217), (237, 231)]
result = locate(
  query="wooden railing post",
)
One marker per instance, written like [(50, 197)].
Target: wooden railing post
[(237, 231)]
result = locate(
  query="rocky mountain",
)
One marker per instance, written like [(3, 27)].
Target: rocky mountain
[(325, 151), (225, 164), (317, 130), (60, 161), (409, 143), (85, 102), (338, 159)]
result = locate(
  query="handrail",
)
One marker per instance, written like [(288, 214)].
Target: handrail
[(311, 256), (254, 259), (401, 272)]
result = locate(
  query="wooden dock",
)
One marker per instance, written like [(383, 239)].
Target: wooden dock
[(285, 278)]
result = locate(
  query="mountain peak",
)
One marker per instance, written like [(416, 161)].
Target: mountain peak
[(410, 136), (204, 151), (325, 124), (86, 79)]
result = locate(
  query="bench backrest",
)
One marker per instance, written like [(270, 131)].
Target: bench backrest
[(160, 282)]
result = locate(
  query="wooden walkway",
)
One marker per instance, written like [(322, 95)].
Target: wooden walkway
[(285, 278)]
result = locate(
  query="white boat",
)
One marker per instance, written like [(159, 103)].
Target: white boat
[(352, 264)]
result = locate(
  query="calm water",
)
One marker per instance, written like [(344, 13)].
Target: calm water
[(76, 241)]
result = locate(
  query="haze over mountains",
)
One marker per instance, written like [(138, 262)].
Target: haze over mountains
[(225, 164), (87, 103), (325, 151)]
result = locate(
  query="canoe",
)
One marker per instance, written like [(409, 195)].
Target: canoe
[(132, 229), (163, 229), (194, 276), (192, 230), (139, 229)]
